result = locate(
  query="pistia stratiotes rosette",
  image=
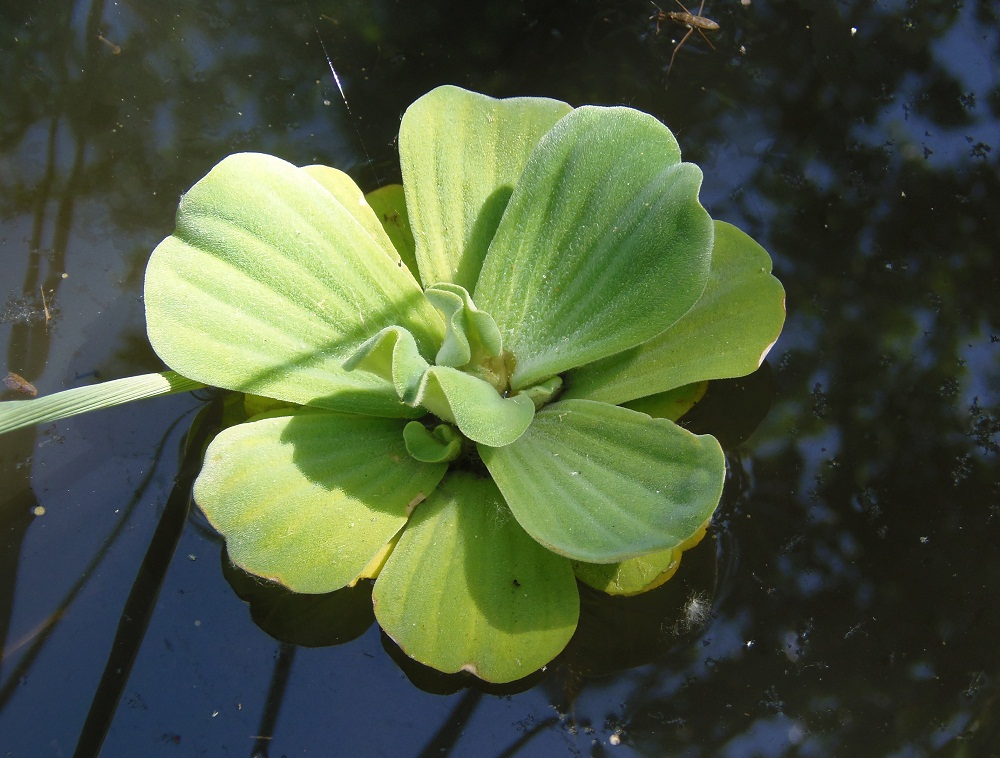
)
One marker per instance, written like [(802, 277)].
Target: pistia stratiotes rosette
[(475, 388)]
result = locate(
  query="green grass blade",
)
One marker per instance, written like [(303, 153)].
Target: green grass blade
[(15, 414)]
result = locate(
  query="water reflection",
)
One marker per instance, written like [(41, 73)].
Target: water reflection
[(856, 609)]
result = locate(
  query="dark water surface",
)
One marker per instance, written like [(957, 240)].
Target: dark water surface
[(856, 611)]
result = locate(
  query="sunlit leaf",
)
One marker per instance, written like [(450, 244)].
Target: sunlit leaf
[(603, 244), (475, 406), (389, 205), (632, 576), (15, 414), (349, 195), (269, 283), (466, 588), (309, 499), (601, 484), (726, 334), (461, 153)]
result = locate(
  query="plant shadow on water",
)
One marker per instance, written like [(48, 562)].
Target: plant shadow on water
[(854, 610)]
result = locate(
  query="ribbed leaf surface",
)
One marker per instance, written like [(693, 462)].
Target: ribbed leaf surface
[(603, 244), (726, 334), (601, 484), (466, 588), (269, 283), (309, 499), (461, 154)]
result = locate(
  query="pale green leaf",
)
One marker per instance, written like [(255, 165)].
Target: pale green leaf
[(349, 195), (726, 334), (475, 406), (467, 589), (393, 355), (309, 499), (601, 484), (603, 244), (630, 577), (637, 575), (461, 154), (389, 205), (471, 403), (471, 334), (544, 392), (15, 414), (269, 283)]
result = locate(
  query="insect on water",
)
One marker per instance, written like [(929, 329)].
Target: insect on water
[(693, 21)]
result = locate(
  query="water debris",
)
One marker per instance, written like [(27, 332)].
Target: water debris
[(115, 49), (17, 383), (45, 307)]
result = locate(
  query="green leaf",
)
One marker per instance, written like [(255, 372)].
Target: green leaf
[(637, 575), (393, 355), (309, 499), (671, 404), (475, 407), (471, 403), (442, 444), (630, 577), (349, 195), (466, 588), (269, 283), (545, 392), (389, 205), (461, 154), (601, 484), (603, 244), (726, 334), (15, 414), (470, 334)]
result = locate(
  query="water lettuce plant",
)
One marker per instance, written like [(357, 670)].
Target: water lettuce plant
[(466, 393)]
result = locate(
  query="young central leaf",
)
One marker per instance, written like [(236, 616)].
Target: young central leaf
[(472, 340), (474, 405)]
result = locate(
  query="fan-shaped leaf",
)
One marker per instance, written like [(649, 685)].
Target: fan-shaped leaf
[(309, 499), (461, 154), (269, 283), (726, 334), (466, 588), (602, 246), (601, 484)]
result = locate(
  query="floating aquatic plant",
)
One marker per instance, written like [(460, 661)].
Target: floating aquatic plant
[(468, 394)]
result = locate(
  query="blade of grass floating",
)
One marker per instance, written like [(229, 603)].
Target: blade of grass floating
[(15, 414)]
